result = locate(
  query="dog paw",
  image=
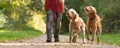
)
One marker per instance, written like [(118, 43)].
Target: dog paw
[(70, 41), (98, 43), (84, 42), (74, 41), (90, 42)]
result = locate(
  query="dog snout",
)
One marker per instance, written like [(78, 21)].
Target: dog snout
[(86, 8)]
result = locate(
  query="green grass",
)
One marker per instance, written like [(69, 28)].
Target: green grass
[(10, 35), (111, 38)]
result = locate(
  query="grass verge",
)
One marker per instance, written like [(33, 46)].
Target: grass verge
[(113, 39), (11, 35)]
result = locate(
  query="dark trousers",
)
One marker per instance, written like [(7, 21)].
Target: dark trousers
[(49, 25)]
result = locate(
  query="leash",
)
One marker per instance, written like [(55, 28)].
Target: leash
[(66, 7)]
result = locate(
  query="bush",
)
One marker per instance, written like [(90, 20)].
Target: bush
[(2, 20)]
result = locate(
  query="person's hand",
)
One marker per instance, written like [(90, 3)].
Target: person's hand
[(61, 1)]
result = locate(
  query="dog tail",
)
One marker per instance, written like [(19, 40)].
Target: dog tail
[(102, 17)]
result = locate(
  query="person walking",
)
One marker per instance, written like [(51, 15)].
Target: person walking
[(54, 11)]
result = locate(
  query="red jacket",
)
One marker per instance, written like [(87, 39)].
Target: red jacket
[(54, 5)]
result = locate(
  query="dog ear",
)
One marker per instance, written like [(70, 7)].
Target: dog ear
[(73, 14), (93, 10), (76, 17), (67, 14)]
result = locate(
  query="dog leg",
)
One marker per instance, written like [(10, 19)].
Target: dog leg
[(99, 34), (88, 32), (94, 29), (70, 30), (70, 39), (83, 33), (75, 37)]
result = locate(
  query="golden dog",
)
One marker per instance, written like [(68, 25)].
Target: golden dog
[(76, 25), (93, 23)]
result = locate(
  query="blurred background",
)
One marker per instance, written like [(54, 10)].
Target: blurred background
[(20, 14), (29, 15)]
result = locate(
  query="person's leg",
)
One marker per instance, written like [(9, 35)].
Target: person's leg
[(49, 25), (57, 26)]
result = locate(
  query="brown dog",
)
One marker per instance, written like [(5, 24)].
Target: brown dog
[(93, 23), (76, 25)]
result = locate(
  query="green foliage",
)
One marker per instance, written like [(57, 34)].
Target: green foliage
[(19, 12), (64, 25), (36, 5), (14, 35), (2, 20)]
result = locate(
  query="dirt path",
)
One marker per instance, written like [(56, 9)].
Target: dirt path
[(40, 42)]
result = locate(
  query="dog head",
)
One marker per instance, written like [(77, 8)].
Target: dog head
[(90, 10), (72, 15)]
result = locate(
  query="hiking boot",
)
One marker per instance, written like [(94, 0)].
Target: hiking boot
[(57, 40), (48, 41)]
